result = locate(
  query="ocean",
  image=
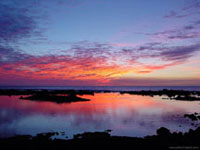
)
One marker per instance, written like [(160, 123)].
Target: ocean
[(124, 114)]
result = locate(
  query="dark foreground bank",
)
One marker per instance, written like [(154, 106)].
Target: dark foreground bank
[(103, 140)]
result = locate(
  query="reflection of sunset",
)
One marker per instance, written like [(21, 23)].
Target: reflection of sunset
[(124, 114), (99, 103), (118, 100)]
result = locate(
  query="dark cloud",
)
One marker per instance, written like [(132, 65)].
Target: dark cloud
[(9, 55), (180, 53), (190, 31), (168, 54), (174, 14), (189, 27), (88, 49), (15, 22), (191, 7), (197, 22), (192, 4), (150, 46), (181, 35)]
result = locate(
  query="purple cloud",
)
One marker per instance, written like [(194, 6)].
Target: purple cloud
[(168, 54), (189, 27), (174, 14), (15, 22), (197, 22), (182, 35), (180, 53), (191, 8), (9, 55), (194, 4), (189, 31)]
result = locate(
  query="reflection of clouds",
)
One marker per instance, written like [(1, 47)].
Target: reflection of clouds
[(7, 115), (126, 114), (91, 121)]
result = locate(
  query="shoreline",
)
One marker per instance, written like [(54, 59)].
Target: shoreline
[(53, 94)]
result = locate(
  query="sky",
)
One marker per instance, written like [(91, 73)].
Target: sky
[(100, 42)]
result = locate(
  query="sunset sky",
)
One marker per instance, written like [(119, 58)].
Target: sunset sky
[(100, 42)]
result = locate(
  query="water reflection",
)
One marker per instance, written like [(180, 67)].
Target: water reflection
[(127, 115)]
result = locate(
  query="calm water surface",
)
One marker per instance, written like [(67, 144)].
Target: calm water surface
[(125, 115)]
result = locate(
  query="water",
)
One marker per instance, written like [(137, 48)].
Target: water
[(125, 115), (110, 88)]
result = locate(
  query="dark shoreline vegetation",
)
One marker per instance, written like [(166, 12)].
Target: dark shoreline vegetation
[(171, 94), (61, 96), (55, 98), (101, 140), (194, 117)]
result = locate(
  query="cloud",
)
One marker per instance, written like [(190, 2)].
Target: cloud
[(197, 22), (92, 61), (174, 14), (9, 55), (189, 27), (15, 22), (180, 35), (191, 8), (192, 4), (180, 53), (89, 62), (187, 32)]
